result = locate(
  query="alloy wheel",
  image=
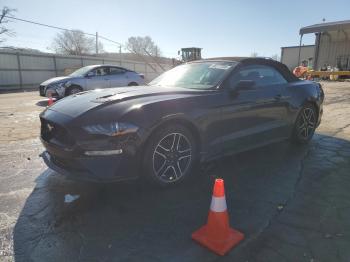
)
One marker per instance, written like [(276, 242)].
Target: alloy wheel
[(74, 91), (307, 122), (172, 157)]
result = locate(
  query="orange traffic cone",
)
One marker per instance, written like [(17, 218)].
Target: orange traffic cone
[(50, 102), (217, 235)]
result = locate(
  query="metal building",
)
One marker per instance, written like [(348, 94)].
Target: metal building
[(289, 55), (332, 44)]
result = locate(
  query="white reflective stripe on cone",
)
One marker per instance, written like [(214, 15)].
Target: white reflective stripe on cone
[(218, 204)]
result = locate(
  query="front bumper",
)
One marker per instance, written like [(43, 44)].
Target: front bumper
[(47, 92), (97, 169), (108, 168), (72, 152)]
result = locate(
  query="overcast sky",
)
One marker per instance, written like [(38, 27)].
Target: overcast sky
[(221, 28)]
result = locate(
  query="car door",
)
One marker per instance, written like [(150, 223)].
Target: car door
[(275, 86), (117, 77), (98, 78), (253, 116)]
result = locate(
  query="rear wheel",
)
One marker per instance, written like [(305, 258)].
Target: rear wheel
[(170, 155), (305, 125), (133, 84)]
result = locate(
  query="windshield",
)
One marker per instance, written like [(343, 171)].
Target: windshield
[(81, 71), (195, 75)]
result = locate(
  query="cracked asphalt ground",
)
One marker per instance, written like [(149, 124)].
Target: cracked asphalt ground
[(292, 202)]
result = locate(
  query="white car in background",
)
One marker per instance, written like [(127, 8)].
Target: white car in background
[(88, 78)]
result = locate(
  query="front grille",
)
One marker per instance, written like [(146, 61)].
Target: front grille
[(52, 132), (42, 90)]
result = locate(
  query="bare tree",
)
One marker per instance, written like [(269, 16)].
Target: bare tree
[(4, 30), (254, 54), (276, 57), (74, 42), (143, 46)]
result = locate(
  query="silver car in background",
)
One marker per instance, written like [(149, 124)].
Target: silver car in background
[(88, 78)]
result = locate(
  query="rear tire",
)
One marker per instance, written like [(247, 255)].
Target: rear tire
[(170, 156), (133, 84), (305, 125)]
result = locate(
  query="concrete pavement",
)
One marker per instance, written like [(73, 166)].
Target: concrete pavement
[(292, 202)]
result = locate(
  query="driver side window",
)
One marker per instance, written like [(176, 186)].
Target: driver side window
[(262, 75), (100, 71)]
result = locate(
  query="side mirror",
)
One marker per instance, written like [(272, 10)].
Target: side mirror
[(244, 85)]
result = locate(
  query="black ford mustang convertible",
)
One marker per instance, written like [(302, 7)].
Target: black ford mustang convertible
[(195, 112)]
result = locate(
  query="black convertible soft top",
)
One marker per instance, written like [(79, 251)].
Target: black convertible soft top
[(282, 68)]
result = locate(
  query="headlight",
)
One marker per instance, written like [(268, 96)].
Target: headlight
[(58, 89), (56, 85), (111, 129), (61, 85)]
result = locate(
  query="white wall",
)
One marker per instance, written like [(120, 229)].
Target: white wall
[(289, 55), (27, 70)]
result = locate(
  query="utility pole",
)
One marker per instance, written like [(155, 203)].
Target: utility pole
[(96, 43)]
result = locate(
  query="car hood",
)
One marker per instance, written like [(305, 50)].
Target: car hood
[(55, 80), (81, 103)]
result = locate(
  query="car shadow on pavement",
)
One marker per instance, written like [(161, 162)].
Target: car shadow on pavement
[(131, 221), (43, 103)]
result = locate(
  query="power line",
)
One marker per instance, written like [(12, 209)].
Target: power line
[(66, 29), (70, 30), (96, 35), (46, 25), (61, 28), (105, 38)]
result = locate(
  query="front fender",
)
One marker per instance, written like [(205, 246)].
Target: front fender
[(312, 96), (178, 118)]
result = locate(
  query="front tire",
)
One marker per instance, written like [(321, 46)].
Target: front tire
[(170, 156), (305, 125), (73, 90)]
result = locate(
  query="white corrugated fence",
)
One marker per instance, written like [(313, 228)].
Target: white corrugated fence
[(22, 70)]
